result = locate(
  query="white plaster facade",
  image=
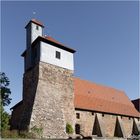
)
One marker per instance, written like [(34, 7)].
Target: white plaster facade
[(32, 32), (48, 55), (35, 32), (45, 52)]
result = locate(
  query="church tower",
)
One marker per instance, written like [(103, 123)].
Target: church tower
[(48, 90)]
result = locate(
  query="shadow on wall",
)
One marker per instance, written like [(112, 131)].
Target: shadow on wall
[(118, 129), (98, 128), (30, 82)]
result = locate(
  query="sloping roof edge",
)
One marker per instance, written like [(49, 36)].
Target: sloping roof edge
[(50, 41), (96, 97), (36, 22), (90, 110), (16, 105), (54, 43)]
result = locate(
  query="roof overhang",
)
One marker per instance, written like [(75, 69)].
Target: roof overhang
[(61, 46), (51, 42), (36, 22), (18, 104)]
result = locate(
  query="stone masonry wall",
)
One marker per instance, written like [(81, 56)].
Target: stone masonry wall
[(30, 82), (86, 122), (15, 117), (87, 119), (109, 122), (53, 105), (48, 103), (128, 125)]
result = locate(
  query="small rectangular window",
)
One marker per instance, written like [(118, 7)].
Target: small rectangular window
[(37, 27), (78, 115), (92, 113), (102, 115), (77, 128), (58, 55)]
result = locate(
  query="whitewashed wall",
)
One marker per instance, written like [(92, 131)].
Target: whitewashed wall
[(48, 52), (34, 32)]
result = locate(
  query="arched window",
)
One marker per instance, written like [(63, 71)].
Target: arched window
[(77, 128)]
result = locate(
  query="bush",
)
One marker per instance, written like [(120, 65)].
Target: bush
[(69, 129), (37, 131), (16, 134), (28, 135), (9, 134), (5, 117)]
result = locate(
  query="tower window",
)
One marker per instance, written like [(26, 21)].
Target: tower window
[(37, 27), (58, 55), (77, 128), (78, 115)]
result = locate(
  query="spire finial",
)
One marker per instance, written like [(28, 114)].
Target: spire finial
[(34, 13)]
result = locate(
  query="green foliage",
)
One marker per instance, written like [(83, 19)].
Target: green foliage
[(4, 100), (9, 134), (69, 129), (37, 131), (16, 134), (4, 90), (5, 117), (25, 134)]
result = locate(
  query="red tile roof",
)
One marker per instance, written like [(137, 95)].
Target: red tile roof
[(91, 96), (36, 22), (53, 42)]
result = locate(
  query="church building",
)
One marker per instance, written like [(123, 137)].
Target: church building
[(53, 97)]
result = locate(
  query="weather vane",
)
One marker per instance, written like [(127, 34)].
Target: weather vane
[(34, 13)]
